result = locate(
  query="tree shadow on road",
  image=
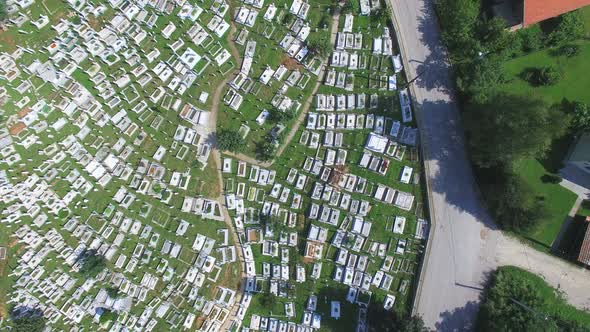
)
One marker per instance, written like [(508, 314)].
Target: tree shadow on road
[(435, 67), (445, 148), (459, 319)]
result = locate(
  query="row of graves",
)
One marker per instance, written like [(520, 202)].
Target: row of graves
[(361, 58), (277, 68), (334, 212), (104, 125)]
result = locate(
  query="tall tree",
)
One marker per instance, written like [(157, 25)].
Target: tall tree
[(509, 127), (459, 19)]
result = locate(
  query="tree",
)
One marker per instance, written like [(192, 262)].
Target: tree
[(478, 79), (350, 6), (510, 305), (569, 28), (531, 38), (267, 300), (496, 39), (510, 127), (92, 264), (230, 140), (113, 292), (319, 44), (277, 116), (265, 150), (548, 75), (580, 120), (108, 315), (3, 10), (26, 319), (459, 19)]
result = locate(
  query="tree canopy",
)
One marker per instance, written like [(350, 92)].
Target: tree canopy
[(517, 300), (509, 127), (3, 10), (26, 319), (92, 264), (459, 18), (230, 140)]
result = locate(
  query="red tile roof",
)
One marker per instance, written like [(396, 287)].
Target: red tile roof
[(539, 10)]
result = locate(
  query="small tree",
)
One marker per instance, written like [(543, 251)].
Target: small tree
[(580, 120), (319, 45), (92, 264), (27, 320), (230, 140), (531, 38), (548, 75), (350, 6), (3, 10), (265, 150), (569, 28), (280, 116)]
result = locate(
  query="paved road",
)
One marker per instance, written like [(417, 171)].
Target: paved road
[(462, 235), (465, 244)]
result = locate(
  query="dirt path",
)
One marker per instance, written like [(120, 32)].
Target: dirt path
[(309, 101), (216, 156)]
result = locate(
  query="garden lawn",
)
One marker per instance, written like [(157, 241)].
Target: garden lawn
[(574, 82), (558, 201)]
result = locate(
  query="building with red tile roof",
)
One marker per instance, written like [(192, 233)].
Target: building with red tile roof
[(522, 13), (539, 10)]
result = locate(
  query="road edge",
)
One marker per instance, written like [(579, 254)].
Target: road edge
[(424, 149)]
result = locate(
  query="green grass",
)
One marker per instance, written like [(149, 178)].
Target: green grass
[(573, 84), (557, 199)]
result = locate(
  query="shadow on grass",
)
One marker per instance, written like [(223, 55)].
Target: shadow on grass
[(571, 242), (553, 160)]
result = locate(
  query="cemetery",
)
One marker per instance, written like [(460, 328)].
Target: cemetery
[(119, 211)]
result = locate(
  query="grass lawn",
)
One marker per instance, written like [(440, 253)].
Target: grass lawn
[(558, 201), (573, 84)]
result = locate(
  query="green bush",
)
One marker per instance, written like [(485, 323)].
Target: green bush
[(569, 51), (531, 38), (548, 75), (569, 28)]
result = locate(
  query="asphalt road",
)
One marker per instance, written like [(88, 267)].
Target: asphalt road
[(463, 237)]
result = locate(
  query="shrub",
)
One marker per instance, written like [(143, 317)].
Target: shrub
[(569, 28), (531, 38), (265, 150), (548, 75), (580, 115), (569, 51)]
